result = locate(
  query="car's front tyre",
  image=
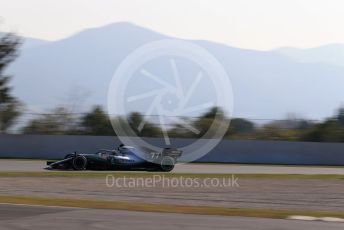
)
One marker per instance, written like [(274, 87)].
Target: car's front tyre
[(79, 163)]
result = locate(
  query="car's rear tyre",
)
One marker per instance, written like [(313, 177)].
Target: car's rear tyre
[(167, 164), (79, 163)]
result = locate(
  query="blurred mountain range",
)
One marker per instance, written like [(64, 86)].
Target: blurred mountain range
[(267, 84), (332, 54)]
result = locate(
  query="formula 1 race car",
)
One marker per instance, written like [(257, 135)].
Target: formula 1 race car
[(122, 158)]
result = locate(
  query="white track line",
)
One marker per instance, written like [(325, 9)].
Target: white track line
[(311, 218)]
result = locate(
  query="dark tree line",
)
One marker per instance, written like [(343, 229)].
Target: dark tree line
[(97, 122), (9, 105)]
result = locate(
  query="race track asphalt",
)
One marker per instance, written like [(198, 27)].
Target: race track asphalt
[(23, 217), (33, 166)]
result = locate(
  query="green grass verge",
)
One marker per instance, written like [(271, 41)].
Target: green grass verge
[(90, 174), (166, 208)]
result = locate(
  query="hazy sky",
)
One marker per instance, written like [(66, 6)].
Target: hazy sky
[(257, 24)]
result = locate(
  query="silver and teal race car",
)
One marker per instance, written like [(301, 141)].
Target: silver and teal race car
[(122, 158)]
